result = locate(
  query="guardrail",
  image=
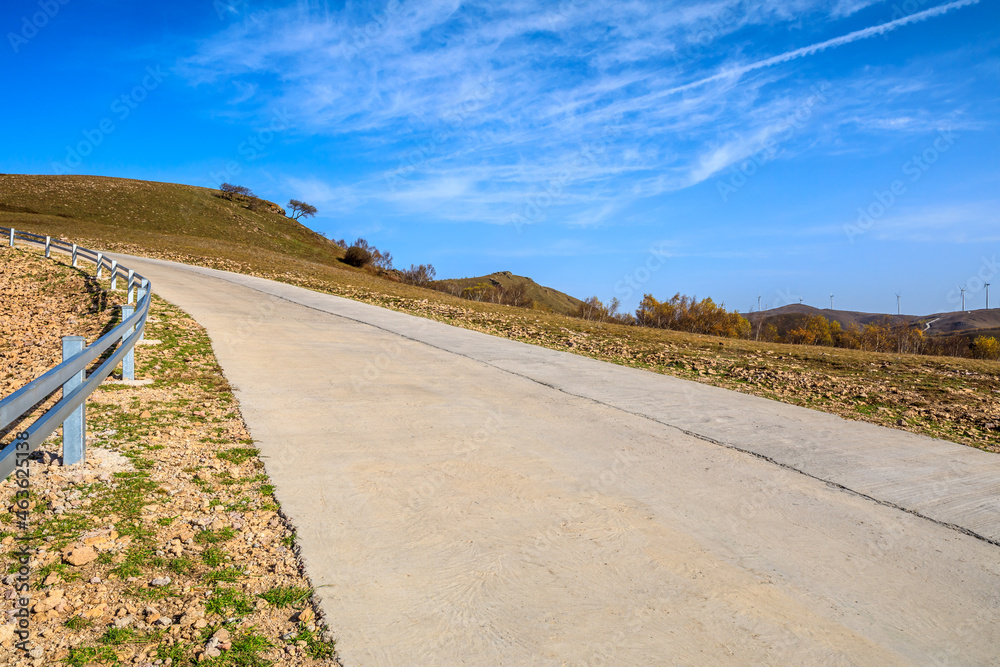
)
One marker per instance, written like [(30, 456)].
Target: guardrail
[(71, 375)]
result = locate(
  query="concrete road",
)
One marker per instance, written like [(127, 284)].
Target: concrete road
[(463, 499)]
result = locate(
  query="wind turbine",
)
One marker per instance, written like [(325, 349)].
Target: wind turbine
[(831, 302), (898, 294), (962, 290), (987, 296)]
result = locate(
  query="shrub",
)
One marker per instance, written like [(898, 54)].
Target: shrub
[(357, 256), (594, 309), (986, 347), (419, 275), (234, 192)]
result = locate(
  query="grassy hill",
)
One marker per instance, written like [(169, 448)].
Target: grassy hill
[(179, 218), (546, 297)]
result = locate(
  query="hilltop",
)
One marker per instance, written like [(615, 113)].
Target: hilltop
[(541, 296)]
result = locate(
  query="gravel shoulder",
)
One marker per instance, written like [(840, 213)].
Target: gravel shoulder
[(167, 546)]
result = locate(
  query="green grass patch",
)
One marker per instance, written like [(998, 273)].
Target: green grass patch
[(237, 455), (180, 565), (215, 536), (287, 596), (213, 557), (316, 647), (64, 571), (78, 623), (228, 575), (226, 600), (117, 636), (82, 656), (246, 651)]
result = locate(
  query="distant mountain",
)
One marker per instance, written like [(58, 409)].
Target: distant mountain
[(544, 296), (938, 323)]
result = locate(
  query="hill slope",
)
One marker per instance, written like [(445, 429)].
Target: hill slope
[(547, 297), (938, 323), (182, 218)]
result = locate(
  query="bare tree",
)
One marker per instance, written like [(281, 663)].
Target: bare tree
[(419, 275)]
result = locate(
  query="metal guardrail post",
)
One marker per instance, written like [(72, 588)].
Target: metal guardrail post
[(100, 263), (128, 363), (75, 248), (114, 274), (75, 425), (140, 295), (131, 281), (48, 247), (12, 234)]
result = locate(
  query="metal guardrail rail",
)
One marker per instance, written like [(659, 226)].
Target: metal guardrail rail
[(70, 375)]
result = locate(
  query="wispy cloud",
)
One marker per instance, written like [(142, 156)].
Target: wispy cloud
[(676, 80)]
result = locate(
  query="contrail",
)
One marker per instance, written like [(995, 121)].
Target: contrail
[(855, 36)]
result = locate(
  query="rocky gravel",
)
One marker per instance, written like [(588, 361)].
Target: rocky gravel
[(167, 546)]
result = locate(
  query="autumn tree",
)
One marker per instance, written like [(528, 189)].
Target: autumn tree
[(984, 347), (684, 313)]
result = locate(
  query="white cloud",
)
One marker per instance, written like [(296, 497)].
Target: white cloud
[(487, 104)]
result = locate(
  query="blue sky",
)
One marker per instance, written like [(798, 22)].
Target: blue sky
[(723, 148)]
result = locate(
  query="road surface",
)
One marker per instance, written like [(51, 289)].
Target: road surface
[(464, 499)]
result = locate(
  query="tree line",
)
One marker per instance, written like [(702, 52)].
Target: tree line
[(688, 314)]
